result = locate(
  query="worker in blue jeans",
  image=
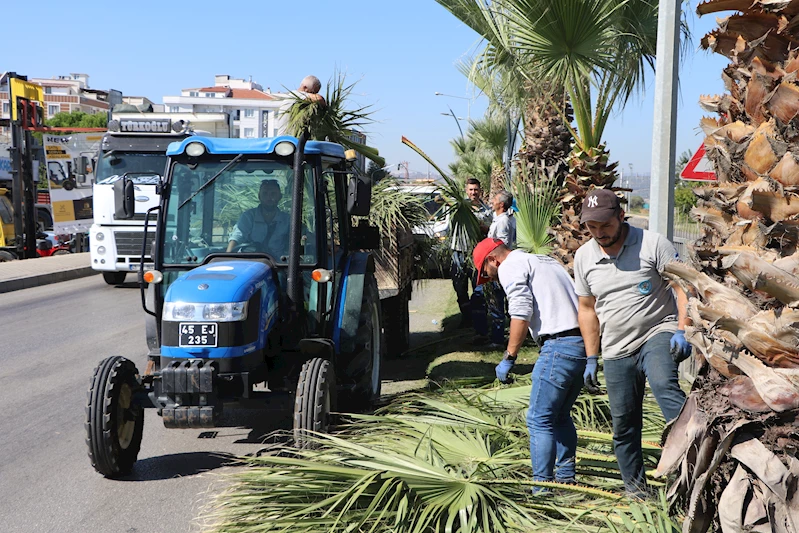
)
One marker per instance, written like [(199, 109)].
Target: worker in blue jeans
[(625, 303), (541, 300)]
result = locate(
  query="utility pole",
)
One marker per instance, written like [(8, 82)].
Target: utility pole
[(661, 188)]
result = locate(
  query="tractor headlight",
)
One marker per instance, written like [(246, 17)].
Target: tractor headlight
[(217, 312), (195, 149), (285, 148)]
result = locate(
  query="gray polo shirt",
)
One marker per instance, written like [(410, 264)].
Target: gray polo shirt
[(633, 300), (504, 228)]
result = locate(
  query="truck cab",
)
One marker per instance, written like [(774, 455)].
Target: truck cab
[(137, 153)]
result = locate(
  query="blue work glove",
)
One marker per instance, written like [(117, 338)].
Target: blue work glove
[(590, 375), (503, 368), (680, 348)]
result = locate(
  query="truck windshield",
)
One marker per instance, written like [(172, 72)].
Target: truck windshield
[(142, 168), (246, 208)]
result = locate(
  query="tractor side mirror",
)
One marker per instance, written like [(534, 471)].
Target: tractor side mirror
[(124, 202), (359, 195), (364, 236)]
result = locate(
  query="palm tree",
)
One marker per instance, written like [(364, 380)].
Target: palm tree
[(736, 434), (597, 51)]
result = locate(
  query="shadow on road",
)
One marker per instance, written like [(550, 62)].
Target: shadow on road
[(178, 465)]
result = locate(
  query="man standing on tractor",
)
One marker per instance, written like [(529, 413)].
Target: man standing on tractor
[(541, 300), (265, 227)]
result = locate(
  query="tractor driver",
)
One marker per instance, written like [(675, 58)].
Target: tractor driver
[(265, 227)]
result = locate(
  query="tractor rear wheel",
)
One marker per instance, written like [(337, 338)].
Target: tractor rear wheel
[(114, 423), (369, 348), (314, 400), (114, 278)]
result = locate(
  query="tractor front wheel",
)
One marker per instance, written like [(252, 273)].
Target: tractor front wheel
[(314, 400), (114, 423)]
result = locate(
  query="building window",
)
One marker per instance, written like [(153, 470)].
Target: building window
[(249, 133), (194, 93), (53, 110), (249, 113), (5, 108), (174, 109), (48, 90), (210, 95)]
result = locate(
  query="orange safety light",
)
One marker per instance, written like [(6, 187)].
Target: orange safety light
[(153, 276), (321, 275)]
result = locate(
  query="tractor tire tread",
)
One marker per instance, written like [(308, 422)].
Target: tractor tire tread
[(104, 453)]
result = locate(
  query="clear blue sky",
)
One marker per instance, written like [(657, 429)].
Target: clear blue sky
[(401, 51)]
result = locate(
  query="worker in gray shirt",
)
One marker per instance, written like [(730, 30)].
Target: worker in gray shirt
[(503, 227), (488, 301), (541, 300), (265, 228), (626, 302)]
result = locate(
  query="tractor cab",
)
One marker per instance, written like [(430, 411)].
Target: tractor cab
[(260, 278)]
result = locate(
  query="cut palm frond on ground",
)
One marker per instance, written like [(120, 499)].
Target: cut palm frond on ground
[(455, 460)]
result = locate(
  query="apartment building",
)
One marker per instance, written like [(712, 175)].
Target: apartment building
[(252, 112)]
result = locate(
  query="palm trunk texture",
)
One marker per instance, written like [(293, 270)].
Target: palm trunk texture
[(733, 448)]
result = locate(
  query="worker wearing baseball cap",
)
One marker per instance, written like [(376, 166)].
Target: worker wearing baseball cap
[(541, 300), (625, 301)]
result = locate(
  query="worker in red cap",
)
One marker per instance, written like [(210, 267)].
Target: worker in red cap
[(541, 300), (625, 301)]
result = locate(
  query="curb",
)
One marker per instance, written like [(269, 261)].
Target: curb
[(45, 279)]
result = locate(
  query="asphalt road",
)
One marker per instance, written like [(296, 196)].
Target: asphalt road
[(52, 338)]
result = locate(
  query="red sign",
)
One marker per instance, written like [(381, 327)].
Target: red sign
[(699, 167)]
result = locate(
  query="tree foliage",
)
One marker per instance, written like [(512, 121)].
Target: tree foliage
[(78, 119)]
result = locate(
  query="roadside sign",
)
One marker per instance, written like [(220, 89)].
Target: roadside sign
[(699, 167)]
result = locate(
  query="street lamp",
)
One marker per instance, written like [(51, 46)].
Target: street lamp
[(468, 103), (457, 119)]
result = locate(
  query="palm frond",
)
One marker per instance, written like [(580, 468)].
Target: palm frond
[(538, 208)]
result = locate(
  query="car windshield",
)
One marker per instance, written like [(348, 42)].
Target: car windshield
[(228, 205), (141, 168)]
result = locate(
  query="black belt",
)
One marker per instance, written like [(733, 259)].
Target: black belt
[(574, 332)]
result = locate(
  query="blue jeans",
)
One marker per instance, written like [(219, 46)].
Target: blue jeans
[(557, 380), (625, 379), (488, 311)]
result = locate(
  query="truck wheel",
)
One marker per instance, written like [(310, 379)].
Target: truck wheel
[(369, 348), (114, 278), (114, 423), (314, 400), (5, 256), (396, 320)]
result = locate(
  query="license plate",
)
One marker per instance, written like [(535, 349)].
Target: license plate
[(197, 334), (134, 267)]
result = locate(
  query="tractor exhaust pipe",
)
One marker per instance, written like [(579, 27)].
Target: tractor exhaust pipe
[(294, 280)]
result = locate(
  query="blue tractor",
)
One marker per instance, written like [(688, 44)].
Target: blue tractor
[(261, 283)]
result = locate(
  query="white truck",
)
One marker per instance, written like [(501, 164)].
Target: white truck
[(134, 148)]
